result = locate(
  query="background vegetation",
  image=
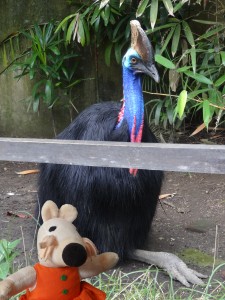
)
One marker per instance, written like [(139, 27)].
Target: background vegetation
[(188, 37)]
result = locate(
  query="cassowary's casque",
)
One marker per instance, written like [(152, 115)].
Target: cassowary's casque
[(116, 206)]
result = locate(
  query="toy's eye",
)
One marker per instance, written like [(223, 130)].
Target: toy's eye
[(133, 60), (52, 228)]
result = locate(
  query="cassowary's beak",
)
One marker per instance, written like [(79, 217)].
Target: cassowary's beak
[(152, 72), (149, 69)]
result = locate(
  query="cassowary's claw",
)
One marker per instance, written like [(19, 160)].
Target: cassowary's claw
[(172, 264), (179, 271)]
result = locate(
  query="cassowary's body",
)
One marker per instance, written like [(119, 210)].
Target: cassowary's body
[(115, 208)]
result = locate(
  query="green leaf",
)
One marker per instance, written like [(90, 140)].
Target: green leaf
[(160, 27), (95, 15), (220, 81), (217, 58), (48, 32), (4, 270), (71, 30), (55, 50), (121, 2), (108, 51), (199, 77), (141, 7), (39, 34), (206, 22), (107, 14), (96, 24), (65, 72), (61, 24), (117, 28), (206, 112), (31, 74), (9, 246), (158, 112), (103, 3), (169, 6), (118, 48), (179, 5), (73, 83), (181, 103), (193, 94), (87, 32), (35, 88), (168, 38), (210, 33), (153, 12), (188, 33), (36, 103), (183, 69), (222, 53), (81, 32), (48, 91), (193, 59), (164, 61), (176, 39), (33, 60)]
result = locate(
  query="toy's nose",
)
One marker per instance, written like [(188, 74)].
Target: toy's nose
[(74, 255)]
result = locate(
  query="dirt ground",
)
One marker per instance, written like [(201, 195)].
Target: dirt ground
[(192, 218)]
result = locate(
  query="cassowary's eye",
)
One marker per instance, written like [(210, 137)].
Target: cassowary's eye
[(52, 228), (133, 60)]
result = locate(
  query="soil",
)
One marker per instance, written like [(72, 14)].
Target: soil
[(192, 217)]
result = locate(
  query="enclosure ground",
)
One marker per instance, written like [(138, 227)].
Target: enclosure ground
[(191, 217)]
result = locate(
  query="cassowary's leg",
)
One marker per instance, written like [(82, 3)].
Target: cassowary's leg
[(171, 264)]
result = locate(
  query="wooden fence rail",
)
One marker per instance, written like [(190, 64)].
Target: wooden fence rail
[(169, 157)]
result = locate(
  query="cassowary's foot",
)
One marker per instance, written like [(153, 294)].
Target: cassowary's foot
[(171, 264)]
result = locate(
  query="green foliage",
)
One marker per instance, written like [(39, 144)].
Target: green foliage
[(191, 62), (47, 62), (190, 53), (7, 256)]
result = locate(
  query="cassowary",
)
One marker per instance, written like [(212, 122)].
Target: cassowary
[(116, 206)]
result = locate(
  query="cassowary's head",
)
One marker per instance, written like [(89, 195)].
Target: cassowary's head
[(140, 57)]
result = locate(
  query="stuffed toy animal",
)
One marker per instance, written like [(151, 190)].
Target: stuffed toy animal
[(65, 258)]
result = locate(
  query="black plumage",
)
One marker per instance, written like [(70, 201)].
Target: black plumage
[(115, 208)]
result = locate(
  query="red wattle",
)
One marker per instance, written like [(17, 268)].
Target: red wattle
[(121, 113), (136, 139)]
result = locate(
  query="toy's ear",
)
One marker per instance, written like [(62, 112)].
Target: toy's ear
[(90, 247), (49, 211), (68, 212)]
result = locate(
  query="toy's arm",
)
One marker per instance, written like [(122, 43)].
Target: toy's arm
[(17, 282), (97, 264)]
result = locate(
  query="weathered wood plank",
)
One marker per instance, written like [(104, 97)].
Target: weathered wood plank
[(168, 157)]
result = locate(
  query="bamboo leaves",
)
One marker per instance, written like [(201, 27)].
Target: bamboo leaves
[(153, 12), (206, 112), (181, 103), (141, 7), (164, 61), (188, 33), (169, 6), (192, 64), (176, 39), (46, 64)]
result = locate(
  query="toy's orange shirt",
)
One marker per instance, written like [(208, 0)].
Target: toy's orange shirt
[(61, 283)]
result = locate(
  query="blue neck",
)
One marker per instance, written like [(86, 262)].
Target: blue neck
[(133, 100)]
